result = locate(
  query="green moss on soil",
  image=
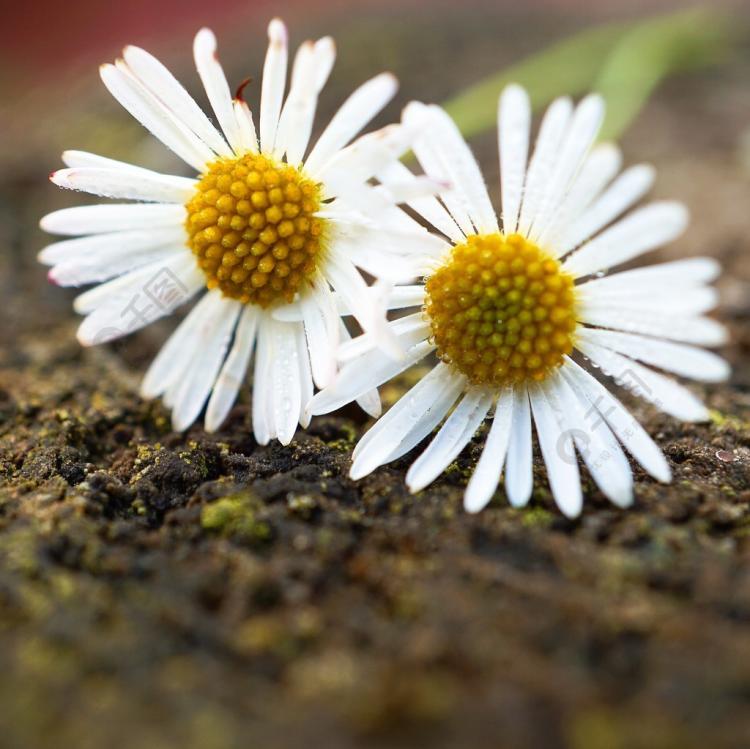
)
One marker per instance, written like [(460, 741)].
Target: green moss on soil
[(202, 591)]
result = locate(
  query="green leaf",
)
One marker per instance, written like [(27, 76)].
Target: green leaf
[(624, 61), (649, 53)]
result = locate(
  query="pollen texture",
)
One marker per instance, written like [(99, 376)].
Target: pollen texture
[(252, 226), (502, 311)]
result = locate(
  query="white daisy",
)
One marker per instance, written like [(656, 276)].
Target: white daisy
[(505, 306), (262, 227)]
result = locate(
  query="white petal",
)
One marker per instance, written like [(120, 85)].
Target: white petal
[(686, 361), (124, 184), (274, 80), (362, 301), (409, 330), (391, 244), (84, 159), (368, 401), (421, 119), (445, 387), (630, 433), (556, 443), (103, 248), (325, 57), (594, 440), (156, 77), (702, 331), (129, 285), (291, 312), (286, 388), (248, 139), (453, 436), (100, 219), (263, 424), (444, 400), (412, 189), (154, 116), (312, 66), (393, 255), (406, 296), (624, 192), (429, 208), (655, 278), (353, 115), (641, 231), (138, 299), (673, 302), (305, 377), (362, 375), (234, 370), (367, 207), (462, 171), (486, 476), (216, 86), (390, 267), (321, 322), (106, 265), (404, 415), (519, 474), (600, 166), (295, 120), (365, 158), (666, 394), (543, 162), (370, 213), (210, 346), (514, 126), (584, 126), (176, 355)]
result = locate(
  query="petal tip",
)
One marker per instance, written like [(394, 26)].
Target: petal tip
[(356, 473), (84, 339), (514, 89), (205, 42), (277, 32), (473, 505)]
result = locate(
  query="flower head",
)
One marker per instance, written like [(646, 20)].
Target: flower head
[(506, 305), (274, 232)]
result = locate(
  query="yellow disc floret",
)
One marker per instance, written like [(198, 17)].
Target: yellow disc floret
[(502, 310), (252, 226)]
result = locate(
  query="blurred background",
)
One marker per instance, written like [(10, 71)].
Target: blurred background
[(52, 98), (319, 612)]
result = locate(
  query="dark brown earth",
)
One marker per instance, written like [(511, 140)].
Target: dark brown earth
[(161, 590)]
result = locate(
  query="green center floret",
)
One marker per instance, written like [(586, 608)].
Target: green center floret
[(252, 225), (502, 310)]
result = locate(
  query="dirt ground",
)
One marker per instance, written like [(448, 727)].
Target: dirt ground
[(161, 590)]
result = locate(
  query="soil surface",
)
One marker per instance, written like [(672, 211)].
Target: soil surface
[(161, 590)]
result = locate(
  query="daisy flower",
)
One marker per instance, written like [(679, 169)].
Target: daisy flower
[(509, 306), (262, 228)]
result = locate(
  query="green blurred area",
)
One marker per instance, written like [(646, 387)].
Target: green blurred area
[(204, 592), (624, 62)]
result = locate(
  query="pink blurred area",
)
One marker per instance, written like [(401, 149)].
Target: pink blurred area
[(50, 37), (51, 97)]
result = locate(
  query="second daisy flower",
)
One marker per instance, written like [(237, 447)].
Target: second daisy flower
[(506, 304)]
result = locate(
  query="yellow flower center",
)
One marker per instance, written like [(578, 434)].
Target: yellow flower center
[(252, 226), (502, 310)]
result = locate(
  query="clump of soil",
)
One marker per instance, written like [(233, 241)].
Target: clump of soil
[(158, 588), (195, 590)]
